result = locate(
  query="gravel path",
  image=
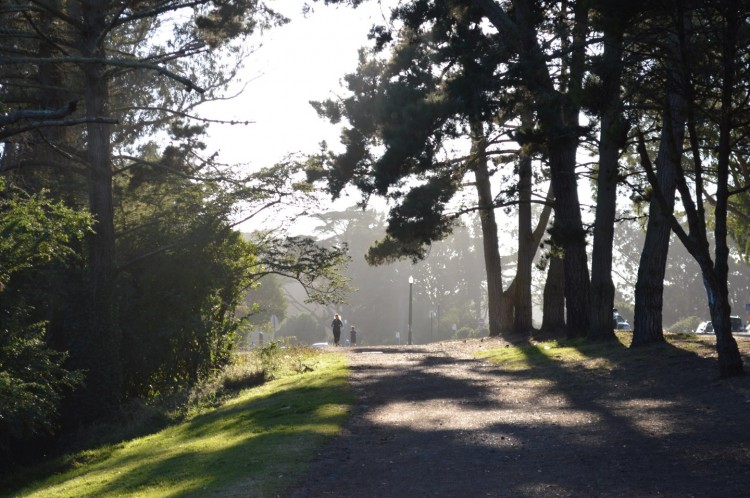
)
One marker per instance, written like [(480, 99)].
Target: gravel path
[(434, 421)]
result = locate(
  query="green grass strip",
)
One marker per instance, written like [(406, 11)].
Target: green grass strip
[(254, 445), (545, 353), (580, 353)]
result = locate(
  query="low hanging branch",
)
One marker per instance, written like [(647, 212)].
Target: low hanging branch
[(46, 123), (134, 64), (38, 114), (316, 268)]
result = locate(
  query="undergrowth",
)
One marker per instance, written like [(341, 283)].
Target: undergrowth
[(137, 418)]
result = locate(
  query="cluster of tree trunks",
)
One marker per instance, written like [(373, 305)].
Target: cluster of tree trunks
[(559, 81)]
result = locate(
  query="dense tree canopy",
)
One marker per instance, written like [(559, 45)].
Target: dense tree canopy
[(100, 113)]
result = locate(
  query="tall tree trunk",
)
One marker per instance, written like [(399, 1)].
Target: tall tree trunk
[(610, 142), (510, 295), (490, 244), (696, 241), (557, 112), (553, 308), (649, 287), (100, 344), (567, 231), (730, 361), (508, 308), (522, 324)]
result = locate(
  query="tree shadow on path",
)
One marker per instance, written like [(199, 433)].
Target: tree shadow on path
[(433, 423)]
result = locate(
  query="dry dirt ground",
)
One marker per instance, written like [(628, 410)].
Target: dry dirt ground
[(435, 421)]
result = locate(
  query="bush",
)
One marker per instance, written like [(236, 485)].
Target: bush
[(32, 385), (247, 369), (465, 333), (38, 238), (685, 326), (282, 358)]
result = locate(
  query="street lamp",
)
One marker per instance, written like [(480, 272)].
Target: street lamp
[(411, 283), (432, 316), (437, 315)]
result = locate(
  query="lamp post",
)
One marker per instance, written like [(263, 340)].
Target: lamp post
[(432, 316), (411, 283), (437, 315)]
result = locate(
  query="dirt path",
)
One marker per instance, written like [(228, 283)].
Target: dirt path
[(433, 421)]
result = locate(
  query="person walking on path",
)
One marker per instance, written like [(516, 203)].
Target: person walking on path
[(336, 325), (353, 337)]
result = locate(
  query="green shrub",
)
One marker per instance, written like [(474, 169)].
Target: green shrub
[(32, 385), (685, 326), (245, 370), (282, 357), (275, 360), (465, 333)]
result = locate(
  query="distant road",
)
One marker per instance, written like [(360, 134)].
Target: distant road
[(736, 334)]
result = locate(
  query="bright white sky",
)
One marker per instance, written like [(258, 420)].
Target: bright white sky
[(301, 61)]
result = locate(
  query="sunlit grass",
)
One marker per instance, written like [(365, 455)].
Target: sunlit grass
[(253, 445), (588, 354)]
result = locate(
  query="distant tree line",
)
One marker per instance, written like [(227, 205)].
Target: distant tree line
[(450, 287)]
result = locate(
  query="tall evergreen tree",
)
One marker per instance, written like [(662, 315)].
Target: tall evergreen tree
[(439, 85), (557, 105), (96, 46)]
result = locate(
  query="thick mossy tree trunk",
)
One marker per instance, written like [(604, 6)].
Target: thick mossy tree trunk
[(567, 231)]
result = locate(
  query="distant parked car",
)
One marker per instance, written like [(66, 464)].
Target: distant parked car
[(708, 327), (705, 328), (622, 324), (618, 322)]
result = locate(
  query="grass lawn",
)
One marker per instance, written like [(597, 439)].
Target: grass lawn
[(565, 351), (253, 445), (592, 355)]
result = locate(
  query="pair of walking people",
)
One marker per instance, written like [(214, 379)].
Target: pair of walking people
[(336, 325)]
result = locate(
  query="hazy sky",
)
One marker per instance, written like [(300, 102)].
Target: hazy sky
[(301, 61)]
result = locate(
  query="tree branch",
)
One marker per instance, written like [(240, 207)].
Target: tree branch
[(19, 115), (134, 64), (5, 133)]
